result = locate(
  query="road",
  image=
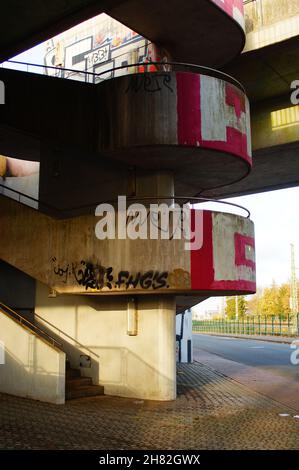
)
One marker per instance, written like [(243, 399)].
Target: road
[(263, 366)]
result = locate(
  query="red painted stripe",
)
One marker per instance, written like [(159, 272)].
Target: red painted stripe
[(188, 109), (202, 265), (236, 145)]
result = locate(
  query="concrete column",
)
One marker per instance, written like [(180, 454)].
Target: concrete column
[(152, 374), (136, 361), (158, 183)]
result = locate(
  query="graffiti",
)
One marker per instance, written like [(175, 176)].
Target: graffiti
[(151, 83), (150, 279), (180, 279), (97, 56), (61, 272), (93, 276), (96, 277)]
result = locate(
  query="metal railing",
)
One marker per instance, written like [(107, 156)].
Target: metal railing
[(59, 212), (251, 325), (60, 333), (162, 66), (35, 329)]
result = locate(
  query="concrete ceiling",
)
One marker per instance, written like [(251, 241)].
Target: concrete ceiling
[(25, 24), (191, 31), (269, 71)]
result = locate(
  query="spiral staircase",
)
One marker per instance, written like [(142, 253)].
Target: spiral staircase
[(175, 133)]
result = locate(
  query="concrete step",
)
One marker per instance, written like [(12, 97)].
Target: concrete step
[(84, 391), (75, 382), (72, 373)]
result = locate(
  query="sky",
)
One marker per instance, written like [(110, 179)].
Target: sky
[(275, 215), (276, 218)]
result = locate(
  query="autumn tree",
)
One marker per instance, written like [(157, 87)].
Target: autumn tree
[(231, 307)]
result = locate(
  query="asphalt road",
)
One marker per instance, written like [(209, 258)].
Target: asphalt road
[(262, 365)]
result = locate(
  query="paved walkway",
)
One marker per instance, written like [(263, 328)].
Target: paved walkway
[(212, 412)]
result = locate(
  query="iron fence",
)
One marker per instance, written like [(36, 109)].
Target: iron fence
[(251, 325)]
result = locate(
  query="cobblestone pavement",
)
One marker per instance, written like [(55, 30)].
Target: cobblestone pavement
[(211, 412)]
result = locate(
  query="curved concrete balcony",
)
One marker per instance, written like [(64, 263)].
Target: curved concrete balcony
[(193, 124), (209, 32), (68, 257)]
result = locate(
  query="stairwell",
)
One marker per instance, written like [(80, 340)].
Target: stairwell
[(77, 386)]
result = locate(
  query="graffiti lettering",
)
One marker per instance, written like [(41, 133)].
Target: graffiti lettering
[(96, 277), (93, 276), (151, 83)]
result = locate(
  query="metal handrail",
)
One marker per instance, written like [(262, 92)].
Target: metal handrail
[(199, 68), (65, 334), (33, 327), (198, 199)]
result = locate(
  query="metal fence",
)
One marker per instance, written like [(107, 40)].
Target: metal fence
[(255, 325)]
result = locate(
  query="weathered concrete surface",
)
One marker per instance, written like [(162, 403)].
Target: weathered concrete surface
[(68, 257), (184, 29), (275, 128), (140, 366), (190, 32), (32, 367), (209, 149), (269, 21), (24, 26)]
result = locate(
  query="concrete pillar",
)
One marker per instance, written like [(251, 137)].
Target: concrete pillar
[(155, 375), (158, 183), (128, 359)]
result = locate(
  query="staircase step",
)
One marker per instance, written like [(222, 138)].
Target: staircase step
[(85, 391), (72, 373), (75, 382)]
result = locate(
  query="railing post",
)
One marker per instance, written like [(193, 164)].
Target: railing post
[(295, 324), (259, 323)]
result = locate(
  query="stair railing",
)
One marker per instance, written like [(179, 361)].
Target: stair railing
[(23, 321)]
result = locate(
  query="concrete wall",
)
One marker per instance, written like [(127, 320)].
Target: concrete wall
[(275, 122), (141, 366), (270, 21), (32, 368), (17, 290)]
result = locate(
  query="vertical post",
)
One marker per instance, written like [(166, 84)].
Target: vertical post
[(259, 322)]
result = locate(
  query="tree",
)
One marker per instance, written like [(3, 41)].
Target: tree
[(231, 304), (230, 308), (274, 300), (242, 306)]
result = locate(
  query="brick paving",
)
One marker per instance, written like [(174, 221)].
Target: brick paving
[(212, 411)]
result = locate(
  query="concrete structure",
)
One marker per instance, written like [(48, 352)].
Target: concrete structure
[(171, 131), (32, 367)]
